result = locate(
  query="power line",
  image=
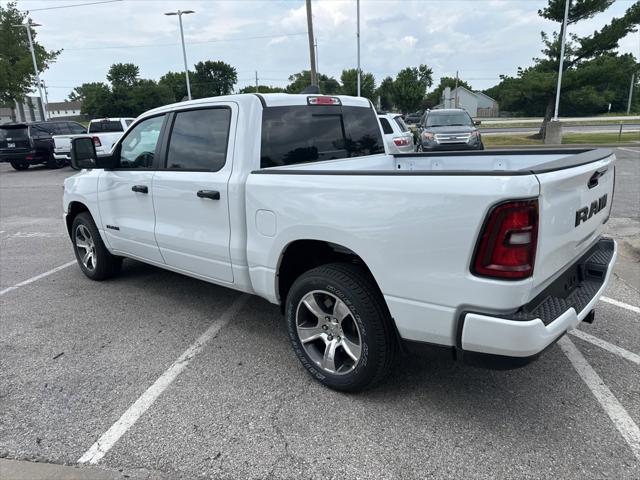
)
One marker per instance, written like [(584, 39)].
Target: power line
[(152, 45), (74, 5)]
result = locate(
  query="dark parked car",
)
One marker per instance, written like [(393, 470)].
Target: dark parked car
[(412, 118), (26, 144), (448, 129)]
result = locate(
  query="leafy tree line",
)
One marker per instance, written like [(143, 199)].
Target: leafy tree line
[(594, 74)]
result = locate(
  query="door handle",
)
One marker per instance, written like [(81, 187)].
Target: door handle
[(140, 188), (212, 194)]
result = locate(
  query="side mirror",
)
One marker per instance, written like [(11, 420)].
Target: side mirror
[(83, 153), (477, 122)]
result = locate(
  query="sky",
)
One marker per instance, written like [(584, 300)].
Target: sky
[(480, 39)]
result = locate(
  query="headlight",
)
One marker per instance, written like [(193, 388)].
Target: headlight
[(475, 134), (428, 136)]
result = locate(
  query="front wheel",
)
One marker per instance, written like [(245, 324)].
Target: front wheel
[(94, 259), (340, 328)]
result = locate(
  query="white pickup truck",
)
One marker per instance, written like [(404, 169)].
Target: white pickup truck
[(494, 255), (105, 132)]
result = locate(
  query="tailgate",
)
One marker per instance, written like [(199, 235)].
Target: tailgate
[(62, 143), (574, 205)]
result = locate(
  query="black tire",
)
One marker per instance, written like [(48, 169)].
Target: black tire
[(18, 165), (481, 146), (54, 163), (103, 265), (353, 286)]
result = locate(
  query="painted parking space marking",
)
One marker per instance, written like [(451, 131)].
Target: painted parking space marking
[(142, 404), (620, 304), (628, 150), (610, 404), (37, 277), (621, 352)]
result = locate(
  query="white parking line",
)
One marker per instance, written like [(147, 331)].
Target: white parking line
[(618, 415), (620, 304), (37, 277), (629, 150), (142, 404), (621, 352)]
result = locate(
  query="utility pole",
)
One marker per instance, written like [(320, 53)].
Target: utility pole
[(358, 36), (565, 24), (633, 78), (317, 56), (46, 94), (257, 90), (28, 26), (312, 57), (179, 13)]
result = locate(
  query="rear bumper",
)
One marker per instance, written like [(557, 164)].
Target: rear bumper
[(525, 333), (31, 156)]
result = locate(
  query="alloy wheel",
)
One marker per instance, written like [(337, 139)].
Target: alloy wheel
[(86, 247)]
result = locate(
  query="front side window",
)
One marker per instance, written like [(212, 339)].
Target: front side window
[(138, 148), (76, 128), (302, 134), (199, 139)]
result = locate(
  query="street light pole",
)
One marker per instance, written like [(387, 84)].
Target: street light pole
[(28, 26), (358, 35), (565, 24), (179, 13)]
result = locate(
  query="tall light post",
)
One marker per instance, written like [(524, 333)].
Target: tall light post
[(28, 26), (179, 13), (358, 35), (565, 24)]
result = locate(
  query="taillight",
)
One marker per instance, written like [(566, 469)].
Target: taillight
[(96, 142), (401, 141), (507, 246)]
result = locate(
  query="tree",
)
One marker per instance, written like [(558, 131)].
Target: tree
[(435, 97), (536, 85), (410, 86), (176, 83), (123, 75), (17, 76), (212, 79), (95, 98), (349, 79), (261, 89), (300, 81), (386, 94)]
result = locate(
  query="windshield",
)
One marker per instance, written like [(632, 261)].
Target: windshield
[(449, 119)]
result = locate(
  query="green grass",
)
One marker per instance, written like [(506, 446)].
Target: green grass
[(568, 138)]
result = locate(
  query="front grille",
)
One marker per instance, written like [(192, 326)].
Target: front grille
[(452, 137)]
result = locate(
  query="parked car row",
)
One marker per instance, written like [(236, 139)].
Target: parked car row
[(49, 143), (26, 144), (435, 130)]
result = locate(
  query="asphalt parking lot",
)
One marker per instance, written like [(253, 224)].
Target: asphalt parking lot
[(76, 355)]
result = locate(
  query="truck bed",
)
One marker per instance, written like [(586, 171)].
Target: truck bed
[(487, 162)]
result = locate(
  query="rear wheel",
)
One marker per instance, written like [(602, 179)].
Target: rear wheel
[(340, 328), (94, 259), (18, 165), (55, 163)]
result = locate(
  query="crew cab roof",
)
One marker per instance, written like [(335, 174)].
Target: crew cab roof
[(267, 99)]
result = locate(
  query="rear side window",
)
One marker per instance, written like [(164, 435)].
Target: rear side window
[(302, 134), (105, 126), (401, 124), (42, 130), (61, 129), (386, 127), (199, 140)]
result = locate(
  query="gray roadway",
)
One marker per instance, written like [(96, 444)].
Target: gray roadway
[(244, 407)]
